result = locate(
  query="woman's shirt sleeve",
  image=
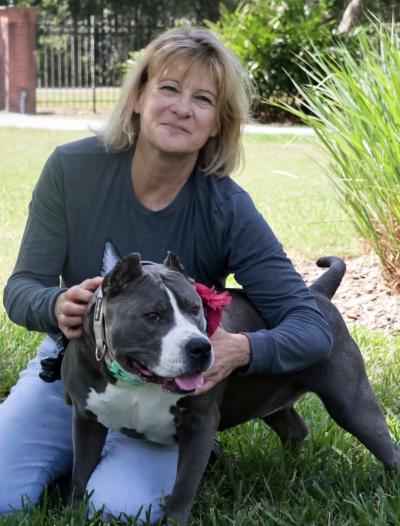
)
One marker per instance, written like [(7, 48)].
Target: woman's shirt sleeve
[(34, 285), (298, 334)]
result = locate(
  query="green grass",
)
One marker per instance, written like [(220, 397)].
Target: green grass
[(332, 479), (286, 178), (17, 345)]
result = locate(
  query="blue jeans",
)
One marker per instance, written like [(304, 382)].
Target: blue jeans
[(36, 449)]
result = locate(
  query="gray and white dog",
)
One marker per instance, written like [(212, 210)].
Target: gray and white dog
[(141, 358)]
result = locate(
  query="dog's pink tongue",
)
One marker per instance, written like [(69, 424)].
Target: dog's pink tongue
[(190, 382)]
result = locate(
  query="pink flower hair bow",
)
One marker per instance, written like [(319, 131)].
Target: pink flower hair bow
[(213, 305)]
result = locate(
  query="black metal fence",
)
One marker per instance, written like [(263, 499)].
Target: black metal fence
[(81, 65)]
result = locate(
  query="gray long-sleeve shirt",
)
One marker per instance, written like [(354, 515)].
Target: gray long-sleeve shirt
[(85, 197)]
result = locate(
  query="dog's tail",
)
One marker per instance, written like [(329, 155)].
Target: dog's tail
[(328, 283)]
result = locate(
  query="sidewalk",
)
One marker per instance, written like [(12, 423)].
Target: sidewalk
[(18, 120)]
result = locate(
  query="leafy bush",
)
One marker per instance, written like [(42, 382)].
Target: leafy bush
[(269, 36), (354, 107)]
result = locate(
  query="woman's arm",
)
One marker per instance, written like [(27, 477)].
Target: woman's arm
[(33, 288), (298, 334)]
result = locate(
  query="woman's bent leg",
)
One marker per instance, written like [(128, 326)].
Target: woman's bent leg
[(35, 435), (131, 475)]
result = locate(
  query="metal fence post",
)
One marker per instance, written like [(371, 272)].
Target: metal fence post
[(92, 61)]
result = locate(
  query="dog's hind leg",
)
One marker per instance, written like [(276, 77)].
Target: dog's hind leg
[(357, 410), (288, 425)]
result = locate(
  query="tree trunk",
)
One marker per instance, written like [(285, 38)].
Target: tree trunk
[(352, 12)]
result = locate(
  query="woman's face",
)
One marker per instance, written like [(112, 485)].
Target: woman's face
[(178, 110)]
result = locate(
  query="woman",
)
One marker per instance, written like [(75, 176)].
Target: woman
[(154, 180)]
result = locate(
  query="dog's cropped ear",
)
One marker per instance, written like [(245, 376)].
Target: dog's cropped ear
[(173, 263), (110, 258), (128, 269)]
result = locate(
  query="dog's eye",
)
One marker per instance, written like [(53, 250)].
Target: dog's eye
[(152, 316), (194, 310)]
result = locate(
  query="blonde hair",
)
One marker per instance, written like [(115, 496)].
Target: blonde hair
[(221, 154)]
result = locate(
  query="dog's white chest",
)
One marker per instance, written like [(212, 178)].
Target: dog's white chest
[(145, 410)]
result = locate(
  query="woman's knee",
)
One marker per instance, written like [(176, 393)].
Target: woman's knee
[(24, 475), (132, 478)]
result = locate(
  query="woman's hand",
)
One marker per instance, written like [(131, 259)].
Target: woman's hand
[(230, 352), (71, 305)]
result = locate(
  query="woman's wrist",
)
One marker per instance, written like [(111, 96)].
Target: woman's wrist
[(242, 345)]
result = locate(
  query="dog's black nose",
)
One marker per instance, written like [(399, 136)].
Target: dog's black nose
[(199, 350)]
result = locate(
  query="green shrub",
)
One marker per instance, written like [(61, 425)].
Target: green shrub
[(269, 35), (354, 107)]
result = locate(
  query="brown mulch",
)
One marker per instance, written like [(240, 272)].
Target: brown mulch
[(363, 298)]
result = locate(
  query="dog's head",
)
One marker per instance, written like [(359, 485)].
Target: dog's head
[(154, 322)]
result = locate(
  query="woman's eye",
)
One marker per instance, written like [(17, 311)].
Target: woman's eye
[(152, 316), (168, 87), (204, 99)]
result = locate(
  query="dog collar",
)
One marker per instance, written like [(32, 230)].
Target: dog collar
[(98, 326), (102, 350), (120, 373)]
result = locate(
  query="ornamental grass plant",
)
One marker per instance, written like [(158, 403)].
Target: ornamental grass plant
[(354, 108)]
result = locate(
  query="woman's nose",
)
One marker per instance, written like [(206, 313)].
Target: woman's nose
[(182, 105)]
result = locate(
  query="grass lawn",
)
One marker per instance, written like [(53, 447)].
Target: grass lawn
[(331, 479)]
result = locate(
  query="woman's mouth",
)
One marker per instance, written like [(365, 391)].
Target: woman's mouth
[(176, 127)]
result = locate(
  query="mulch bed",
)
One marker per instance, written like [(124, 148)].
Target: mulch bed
[(363, 298)]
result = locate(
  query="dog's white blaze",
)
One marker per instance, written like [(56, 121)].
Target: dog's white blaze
[(172, 356), (145, 409)]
